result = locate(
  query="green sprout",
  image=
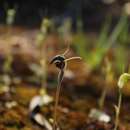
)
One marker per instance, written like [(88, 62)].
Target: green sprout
[(10, 16), (123, 79), (61, 63), (45, 24)]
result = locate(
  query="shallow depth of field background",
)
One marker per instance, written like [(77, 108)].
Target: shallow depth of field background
[(33, 32)]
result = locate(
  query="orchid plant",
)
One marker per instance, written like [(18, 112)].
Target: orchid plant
[(61, 63), (123, 79)]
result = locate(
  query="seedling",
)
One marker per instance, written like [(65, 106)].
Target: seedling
[(61, 62), (123, 79)]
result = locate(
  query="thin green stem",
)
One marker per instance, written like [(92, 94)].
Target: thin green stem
[(118, 110), (102, 98)]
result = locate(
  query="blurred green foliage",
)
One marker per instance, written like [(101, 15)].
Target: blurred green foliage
[(106, 40)]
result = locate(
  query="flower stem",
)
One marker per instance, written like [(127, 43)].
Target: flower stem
[(118, 110), (102, 98), (60, 78)]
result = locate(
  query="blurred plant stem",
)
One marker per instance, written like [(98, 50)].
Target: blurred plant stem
[(6, 79), (109, 76), (10, 18), (117, 109), (40, 42)]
